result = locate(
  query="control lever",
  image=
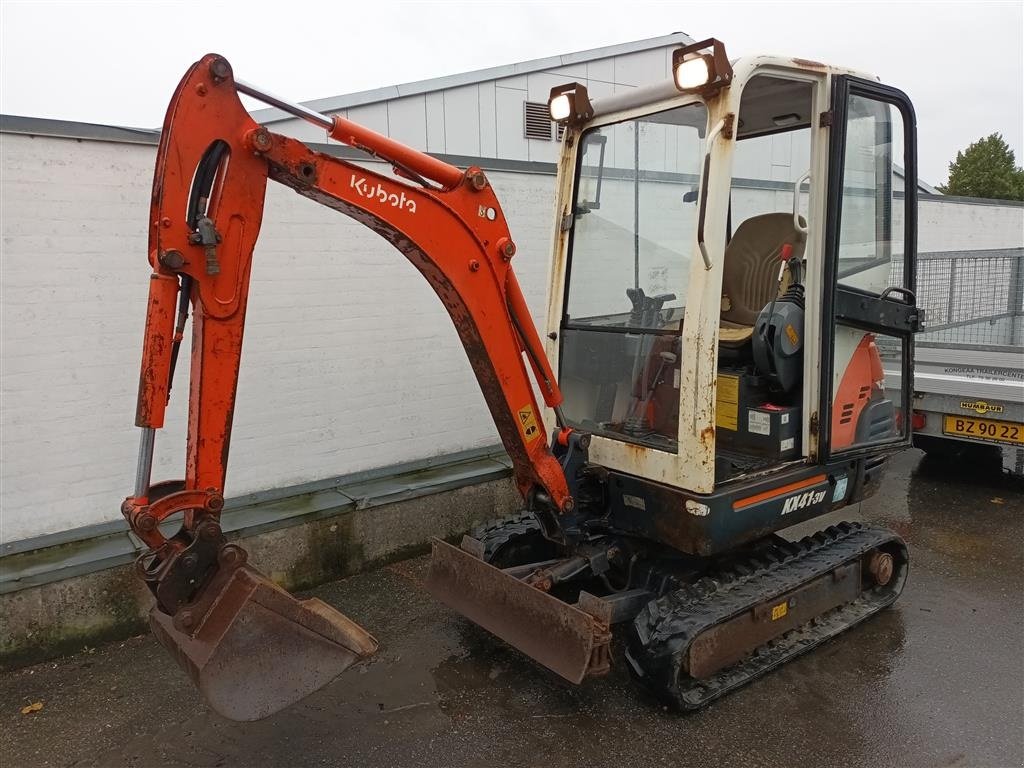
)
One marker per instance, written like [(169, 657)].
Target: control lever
[(646, 308), (638, 424), (667, 358), (785, 256)]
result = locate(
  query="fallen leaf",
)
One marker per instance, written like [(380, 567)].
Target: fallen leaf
[(997, 500), (32, 708)]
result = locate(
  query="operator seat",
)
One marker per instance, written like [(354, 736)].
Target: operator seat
[(751, 273)]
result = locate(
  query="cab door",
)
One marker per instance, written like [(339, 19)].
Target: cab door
[(869, 306)]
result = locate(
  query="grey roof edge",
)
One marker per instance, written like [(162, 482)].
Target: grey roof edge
[(71, 129), (922, 186), (359, 98), (943, 198), (66, 129)]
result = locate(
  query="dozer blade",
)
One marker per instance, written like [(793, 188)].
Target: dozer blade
[(565, 639), (257, 649)]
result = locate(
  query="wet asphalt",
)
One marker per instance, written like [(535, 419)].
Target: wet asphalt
[(936, 680)]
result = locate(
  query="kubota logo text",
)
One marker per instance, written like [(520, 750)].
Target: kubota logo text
[(381, 195), (794, 503)]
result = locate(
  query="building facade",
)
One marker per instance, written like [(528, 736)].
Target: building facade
[(494, 113)]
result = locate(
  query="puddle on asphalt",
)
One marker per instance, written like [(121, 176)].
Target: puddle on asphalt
[(948, 508)]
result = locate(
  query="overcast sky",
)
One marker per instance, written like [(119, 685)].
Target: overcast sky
[(118, 62)]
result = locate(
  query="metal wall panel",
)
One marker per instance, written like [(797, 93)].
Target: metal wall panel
[(641, 68), (488, 120), (601, 70), (571, 72), (512, 145), (462, 120), (435, 121), (407, 120)]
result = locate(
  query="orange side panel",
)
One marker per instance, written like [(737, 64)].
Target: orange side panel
[(854, 392)]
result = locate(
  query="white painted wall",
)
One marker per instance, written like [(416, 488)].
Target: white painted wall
[(963, 226), (350, 361)]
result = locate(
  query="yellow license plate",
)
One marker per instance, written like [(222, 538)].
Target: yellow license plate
[(984, 429)]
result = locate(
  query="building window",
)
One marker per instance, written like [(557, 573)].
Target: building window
[(536, 121)]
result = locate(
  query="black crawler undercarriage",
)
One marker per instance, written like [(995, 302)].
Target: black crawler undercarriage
[(695, 627)]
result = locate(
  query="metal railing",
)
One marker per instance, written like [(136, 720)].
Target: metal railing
[(973, 298)]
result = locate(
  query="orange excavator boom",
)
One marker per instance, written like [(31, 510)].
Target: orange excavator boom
[(228, 625)]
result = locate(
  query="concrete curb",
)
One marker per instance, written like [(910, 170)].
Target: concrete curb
[(60, 616)]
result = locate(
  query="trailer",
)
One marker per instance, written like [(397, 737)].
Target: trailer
[(969, 361)]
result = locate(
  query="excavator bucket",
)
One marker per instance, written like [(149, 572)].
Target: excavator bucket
[(571, 640), (257, 649)]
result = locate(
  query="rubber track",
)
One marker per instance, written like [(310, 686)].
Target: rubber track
[(662, 632), (496, 533)]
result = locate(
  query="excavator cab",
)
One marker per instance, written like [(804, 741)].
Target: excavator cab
[(733, 257), (737, 260)]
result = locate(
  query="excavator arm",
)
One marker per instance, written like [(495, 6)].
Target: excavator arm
[(223, 619)]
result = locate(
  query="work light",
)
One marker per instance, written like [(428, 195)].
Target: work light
[(560, 108), (570, 103), (693, 73), (694, 69)]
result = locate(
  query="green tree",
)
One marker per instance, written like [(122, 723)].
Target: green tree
[(987, 169)]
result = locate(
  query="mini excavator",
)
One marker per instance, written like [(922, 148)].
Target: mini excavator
[(704, 386)]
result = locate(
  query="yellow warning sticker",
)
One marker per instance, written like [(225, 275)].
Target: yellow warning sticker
[(727, 402), (780, 610), (528, 421), (792, 334)]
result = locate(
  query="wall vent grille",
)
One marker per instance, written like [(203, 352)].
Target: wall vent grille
[(536, 121)]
